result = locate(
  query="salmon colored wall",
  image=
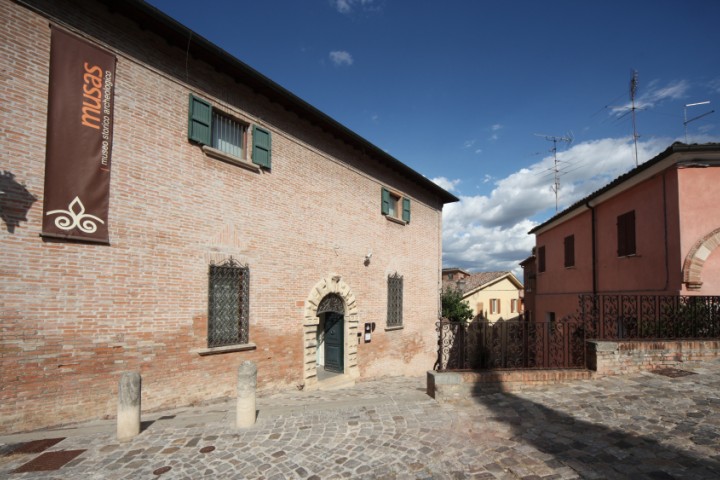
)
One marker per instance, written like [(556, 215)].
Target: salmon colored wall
[(697, 189), (646, 271)]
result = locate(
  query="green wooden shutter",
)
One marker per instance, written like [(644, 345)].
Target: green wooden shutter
[(199, 120), (406, 210), (385, 203), (261, 147)]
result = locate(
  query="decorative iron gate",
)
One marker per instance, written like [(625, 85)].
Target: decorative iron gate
[(520, 344), (515, 344)]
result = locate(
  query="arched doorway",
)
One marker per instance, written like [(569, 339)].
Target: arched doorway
[(331, 335), (330, 311)]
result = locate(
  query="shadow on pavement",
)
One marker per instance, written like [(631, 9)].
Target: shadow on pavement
[(597, 451)]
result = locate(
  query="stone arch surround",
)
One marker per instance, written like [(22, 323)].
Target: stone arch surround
[(328, 285), (696, 257)]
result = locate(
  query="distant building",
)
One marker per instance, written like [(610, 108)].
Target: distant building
[(491, 295), (652, 231)]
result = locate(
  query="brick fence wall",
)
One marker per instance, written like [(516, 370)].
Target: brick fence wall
[(618, 358), (604, 358)]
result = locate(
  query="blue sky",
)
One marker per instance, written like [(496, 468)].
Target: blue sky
[(457, 90)]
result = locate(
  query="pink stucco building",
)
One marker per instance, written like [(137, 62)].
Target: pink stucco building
[(652, 231)]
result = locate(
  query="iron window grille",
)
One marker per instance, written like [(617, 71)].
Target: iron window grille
[(395, 300), (228, 135), (228, 304)]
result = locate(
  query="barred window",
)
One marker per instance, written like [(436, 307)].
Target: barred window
[(395, 300), (228, 305)]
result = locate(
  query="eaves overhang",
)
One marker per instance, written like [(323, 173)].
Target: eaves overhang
[(676, 153), (152, 19)]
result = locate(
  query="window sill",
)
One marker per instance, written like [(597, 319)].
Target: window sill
[(391, 329), (226, 349), (631, 255), (396, 220), (225, 157)]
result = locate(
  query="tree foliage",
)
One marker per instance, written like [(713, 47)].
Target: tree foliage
[(454, 308)]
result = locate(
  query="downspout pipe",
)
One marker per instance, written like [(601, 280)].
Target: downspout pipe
[(594, 253)]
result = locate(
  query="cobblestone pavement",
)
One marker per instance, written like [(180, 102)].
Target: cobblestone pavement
[(638, 426)]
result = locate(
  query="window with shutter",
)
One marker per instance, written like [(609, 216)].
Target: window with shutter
[(261, 147), (199, 120), (225, 137), (626, 234), (570, 251), (541, 259), (394, 206)]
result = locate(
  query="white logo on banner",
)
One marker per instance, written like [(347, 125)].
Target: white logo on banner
[(75, 216)]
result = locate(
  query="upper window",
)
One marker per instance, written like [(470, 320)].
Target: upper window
[(228, 135), (541, 259), (208, 126), (513, 305), (394, 206), (626, 234), (570, 251), (395, 301), (228, 304)]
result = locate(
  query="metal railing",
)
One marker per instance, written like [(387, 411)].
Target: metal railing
[(523, 344), (651, 317), (515, 344)]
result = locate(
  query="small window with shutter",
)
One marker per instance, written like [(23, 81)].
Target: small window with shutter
[(569, 251), (395, 206), (226, 136), (626, 234)]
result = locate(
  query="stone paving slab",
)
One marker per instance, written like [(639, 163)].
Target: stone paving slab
[(637, 426)]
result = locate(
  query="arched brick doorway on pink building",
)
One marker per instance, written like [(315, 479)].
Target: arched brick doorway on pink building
[(696, 257)]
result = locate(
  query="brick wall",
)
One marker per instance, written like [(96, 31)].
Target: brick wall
[(74, 316), (618, 358)]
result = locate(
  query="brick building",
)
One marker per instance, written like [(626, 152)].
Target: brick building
[(243, 224)]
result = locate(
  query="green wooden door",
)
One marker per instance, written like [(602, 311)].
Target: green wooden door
[(334, 342)]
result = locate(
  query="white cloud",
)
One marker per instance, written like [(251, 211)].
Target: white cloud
[(489, 232), (348, 6), (443, 182), (469, 143), (478, 150), (654, 95), (341, 57), (496, 127)]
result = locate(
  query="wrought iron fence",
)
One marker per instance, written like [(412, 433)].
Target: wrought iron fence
[(510, 344), (523, 344), (651, 317)]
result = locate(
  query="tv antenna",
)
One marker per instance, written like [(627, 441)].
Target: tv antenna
[(555, 169), (633, 91), (685, 123)]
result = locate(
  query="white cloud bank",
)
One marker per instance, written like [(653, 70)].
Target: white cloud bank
[(341, 57), (490, 232)]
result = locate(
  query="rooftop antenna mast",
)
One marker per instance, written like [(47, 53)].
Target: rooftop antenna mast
[(685, 123), (556, 170), (633, 91)]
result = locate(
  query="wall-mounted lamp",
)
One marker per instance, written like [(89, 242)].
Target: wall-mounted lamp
[(368, 257)]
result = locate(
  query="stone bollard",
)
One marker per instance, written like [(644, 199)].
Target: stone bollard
[(247, 382), (128, 414)]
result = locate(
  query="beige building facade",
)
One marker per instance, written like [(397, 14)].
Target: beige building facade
[(491, 295)]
